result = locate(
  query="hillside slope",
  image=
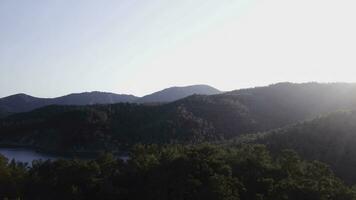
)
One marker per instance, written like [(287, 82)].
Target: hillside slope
[(330, 139), (193, 119), (286, 103)]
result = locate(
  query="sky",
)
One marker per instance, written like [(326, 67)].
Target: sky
[(57, 47)]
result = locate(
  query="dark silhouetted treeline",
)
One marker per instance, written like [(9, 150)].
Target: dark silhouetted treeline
[(175, 172)]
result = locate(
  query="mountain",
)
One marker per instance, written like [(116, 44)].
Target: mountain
[(330, 139), (23, 103), (194, 119), (285, 103), (176, 93), (90, 98)]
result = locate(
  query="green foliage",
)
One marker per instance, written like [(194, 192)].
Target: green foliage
[(176, 172), (192, 120), (172, 160), (330, 139)]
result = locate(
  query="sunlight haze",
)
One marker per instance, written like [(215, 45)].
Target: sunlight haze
[(52, 48)]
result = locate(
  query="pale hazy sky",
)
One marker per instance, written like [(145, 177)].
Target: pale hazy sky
[(51, 48)]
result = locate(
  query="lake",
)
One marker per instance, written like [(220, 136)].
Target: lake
[(28, 155), (25, 155)]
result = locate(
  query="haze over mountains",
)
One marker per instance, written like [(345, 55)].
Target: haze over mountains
[(23, 102), (175, 93), (318, 121), (193, 119), (330, 139), (92, 137)]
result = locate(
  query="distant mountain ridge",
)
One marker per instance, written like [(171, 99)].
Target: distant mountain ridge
[(90, 98), (23, 103), (176, 93)]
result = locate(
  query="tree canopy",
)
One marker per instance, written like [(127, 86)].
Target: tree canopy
[(176, 172)]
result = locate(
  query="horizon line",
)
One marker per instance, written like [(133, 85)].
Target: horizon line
[(176, 86)]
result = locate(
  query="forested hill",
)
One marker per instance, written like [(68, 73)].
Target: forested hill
[(175, 93), (285, 103), (330, 139), (191, 120), (24, 103)]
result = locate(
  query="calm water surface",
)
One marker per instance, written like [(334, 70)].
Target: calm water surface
[(29, 155), (25, 155)]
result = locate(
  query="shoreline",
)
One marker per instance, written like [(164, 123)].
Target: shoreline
[(72, 154)]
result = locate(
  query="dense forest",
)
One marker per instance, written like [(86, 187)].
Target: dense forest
[(330, 139), (246, 172), (270, 143), (194, 119)]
